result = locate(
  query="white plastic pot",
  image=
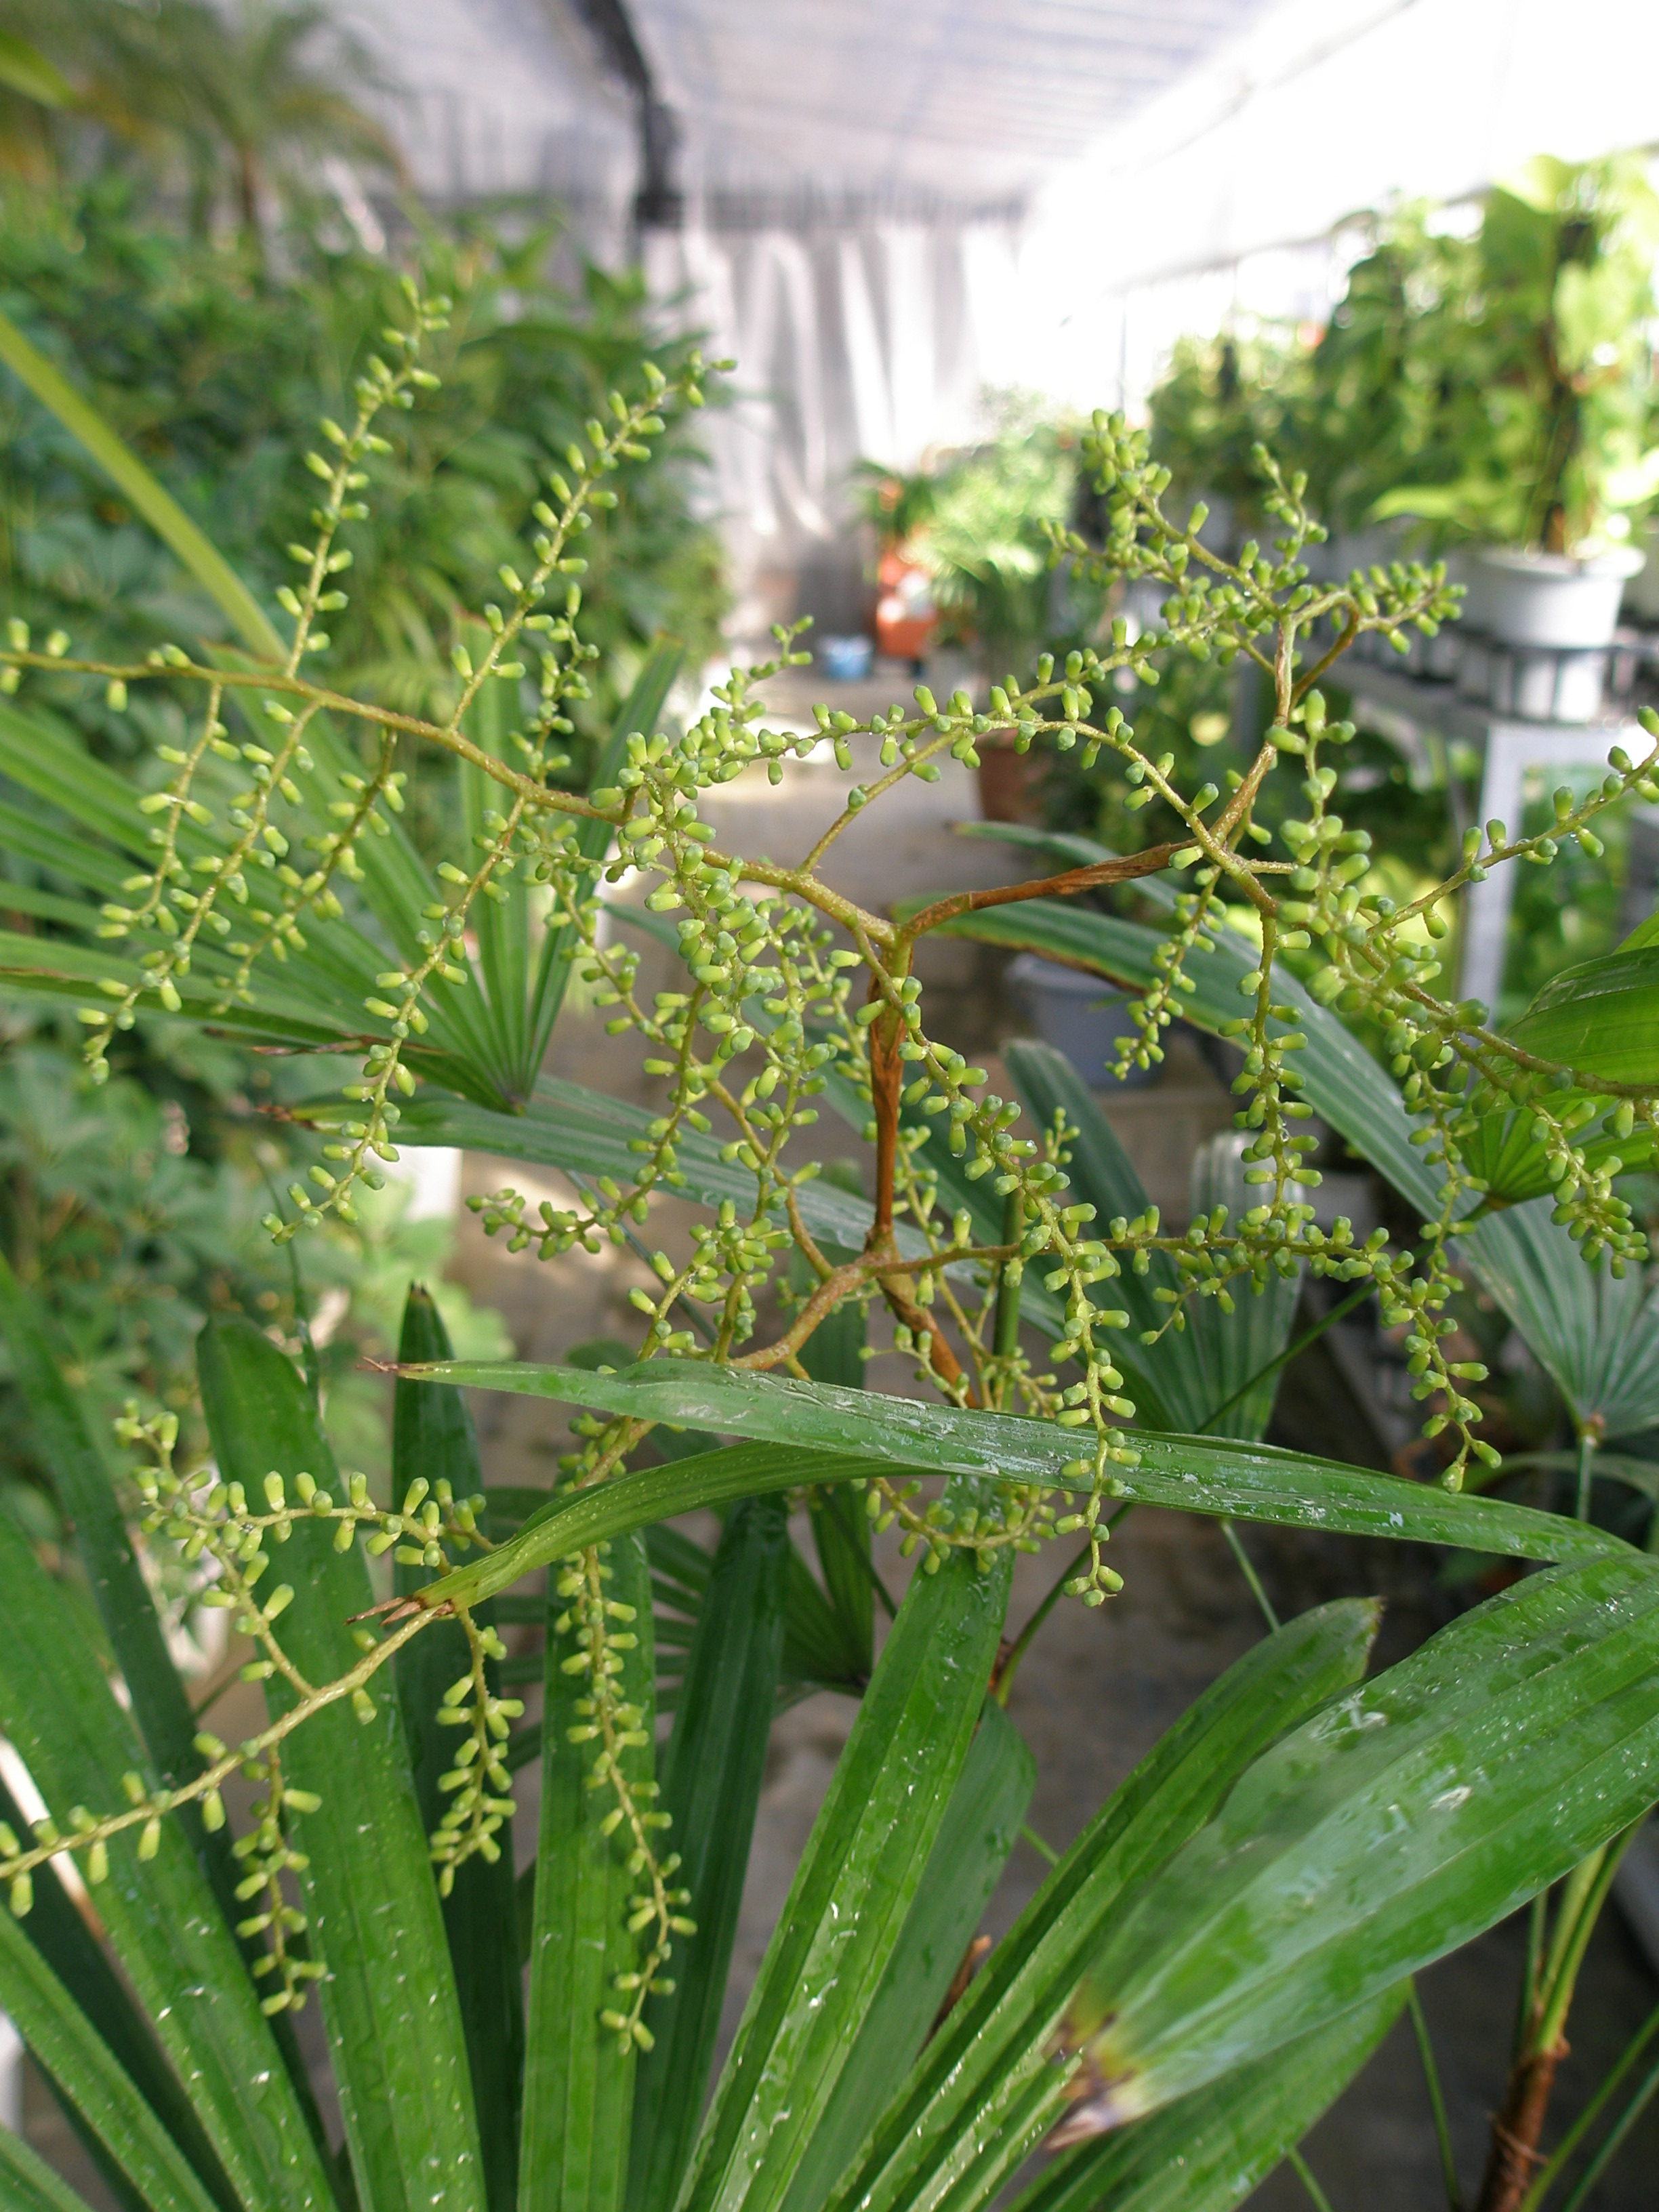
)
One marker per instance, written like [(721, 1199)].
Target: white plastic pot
[(1551, 601), (1078, 1015), (1542, 686)]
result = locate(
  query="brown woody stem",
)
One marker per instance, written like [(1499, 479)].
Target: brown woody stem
[(1516, 2129), (1115, 871)]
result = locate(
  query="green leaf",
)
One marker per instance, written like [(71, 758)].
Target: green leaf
[(303, 1001), (67, 856), (137, 485), (388, 1998), (679, 1584), (713, 1768), (24, 69), (978, 1832), (565, 1126), (27, 2183), (1641, 1474), (1596, 1334), (1601, 1018), (1206, 2152), (1340, 1078), (985, 2087), (1188, 1474), (855, 1882), (69, 2046), (77, 1960), (571, 1521), (841, 1534), (86, 1492), (1235, 1347), (1382, 1834), (159, 1916), (578, 2084), (433, 1441), (501, 927), (820, 1651), (1513, 1166), (1168, 1381), (641, 710)]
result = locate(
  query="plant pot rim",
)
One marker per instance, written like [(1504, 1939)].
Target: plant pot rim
[(1032, 968), (1617, 561)]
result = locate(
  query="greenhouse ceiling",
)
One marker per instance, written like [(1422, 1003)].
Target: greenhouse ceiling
[(938, 104)]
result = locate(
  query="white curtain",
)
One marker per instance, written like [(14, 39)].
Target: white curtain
[(875, 340)]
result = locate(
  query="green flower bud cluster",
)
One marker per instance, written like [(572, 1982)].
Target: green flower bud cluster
[(479, 1784), (214, 1521), (264, 1854), (600, 1630)]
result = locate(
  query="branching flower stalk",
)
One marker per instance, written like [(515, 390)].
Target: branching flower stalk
[(214, 1521), (793, 995)]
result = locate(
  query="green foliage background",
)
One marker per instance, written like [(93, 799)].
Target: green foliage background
[(136, 1217)]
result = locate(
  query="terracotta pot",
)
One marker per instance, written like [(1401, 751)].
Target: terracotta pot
[(1010, 783), (906, 617)]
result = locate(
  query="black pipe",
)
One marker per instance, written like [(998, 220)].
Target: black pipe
[(659, 204)]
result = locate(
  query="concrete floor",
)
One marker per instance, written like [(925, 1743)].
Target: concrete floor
[(1099, 1688)]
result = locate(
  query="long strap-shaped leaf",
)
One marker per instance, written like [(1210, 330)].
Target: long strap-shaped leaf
[(433, 1441), (1527, 1264), (986, 2081), (388, 1997), (1190, 1474), (160, 1915), (578, 2074), (640, 711), (501, 926), (711, 1773), (1205, 2153), (86, 1494), (1341, 1079), (78, 1964), (856, 1880), (978, 1833), (1167, 1380), (27, 2183), (1596, 1334), (1385, 1833), (130, 477), (159, 1703), (69, 2046)]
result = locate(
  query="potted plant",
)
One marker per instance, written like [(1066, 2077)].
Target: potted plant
[(975, 550), (1223, 1945), (896, 504), (1546, 399), (1217, 402)]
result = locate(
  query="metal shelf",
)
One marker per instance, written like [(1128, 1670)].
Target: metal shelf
[(1410, 709)]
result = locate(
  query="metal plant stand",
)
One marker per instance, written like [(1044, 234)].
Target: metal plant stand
[(1413, 712)]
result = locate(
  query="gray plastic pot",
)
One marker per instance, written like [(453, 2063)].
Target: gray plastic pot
[(1078, 1015)]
